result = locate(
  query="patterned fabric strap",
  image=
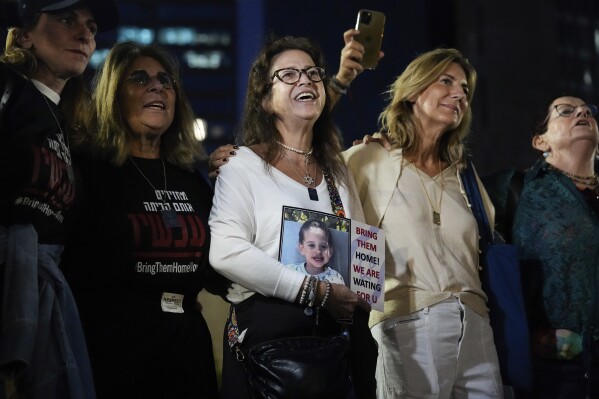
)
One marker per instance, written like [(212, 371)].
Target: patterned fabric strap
[(336, 203), (232, 328)]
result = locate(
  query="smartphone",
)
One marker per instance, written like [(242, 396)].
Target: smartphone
[(371, 25)]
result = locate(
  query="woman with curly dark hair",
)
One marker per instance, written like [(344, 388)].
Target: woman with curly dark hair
[(292, 158)]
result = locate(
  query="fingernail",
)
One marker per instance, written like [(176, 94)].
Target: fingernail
[(225, 160), (217, 171), (232, 153), (236, 147)]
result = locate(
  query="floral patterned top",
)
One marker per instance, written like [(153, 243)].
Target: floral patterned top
[(557, 232)]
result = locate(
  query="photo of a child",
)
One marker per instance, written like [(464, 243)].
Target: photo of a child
[(315, 244)]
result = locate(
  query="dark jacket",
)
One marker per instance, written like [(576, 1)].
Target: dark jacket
[(41, 341)]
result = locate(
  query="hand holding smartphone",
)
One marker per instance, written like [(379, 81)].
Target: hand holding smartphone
[(371, 25)]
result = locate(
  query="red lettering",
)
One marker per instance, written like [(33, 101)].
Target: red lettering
[(358, 268), (364, 295), (193, 231), (366, 233)]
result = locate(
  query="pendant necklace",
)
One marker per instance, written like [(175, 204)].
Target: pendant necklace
[(169, 215), (64, 142), (306, 179), (437, 211)]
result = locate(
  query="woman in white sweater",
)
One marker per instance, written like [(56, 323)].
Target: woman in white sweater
[(291, 158)]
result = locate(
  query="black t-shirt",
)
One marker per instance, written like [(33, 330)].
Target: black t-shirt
[(34, 158), (119, 241), (121, 258)]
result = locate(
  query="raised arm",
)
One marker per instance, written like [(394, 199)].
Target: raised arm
[(349, 66)]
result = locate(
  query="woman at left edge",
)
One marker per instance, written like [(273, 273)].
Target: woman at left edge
[(48, 46)]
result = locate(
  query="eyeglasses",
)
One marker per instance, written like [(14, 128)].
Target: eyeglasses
[(292, 75), (141, 78), (569, 109)]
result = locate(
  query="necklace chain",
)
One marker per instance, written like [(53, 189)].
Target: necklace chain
[(306, 179), (62, 133), (169, 215), (436, 211), (148, 180), (64, 142), (592, 180)]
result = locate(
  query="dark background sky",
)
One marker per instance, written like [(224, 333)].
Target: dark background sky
[(523, 50)]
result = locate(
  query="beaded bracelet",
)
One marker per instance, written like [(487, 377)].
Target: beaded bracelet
[(326, 294), (337, 86), (304, 292), (324, 299), (311, 296)]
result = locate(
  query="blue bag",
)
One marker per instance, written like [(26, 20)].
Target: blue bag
[(500, 277)]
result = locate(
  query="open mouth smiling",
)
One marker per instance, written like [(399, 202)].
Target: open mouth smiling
[(306, 96), (155, 105)]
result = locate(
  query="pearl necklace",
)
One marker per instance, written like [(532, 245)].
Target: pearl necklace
[(306, 154)]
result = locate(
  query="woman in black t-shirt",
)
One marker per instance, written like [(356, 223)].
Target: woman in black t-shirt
[(137, 253)]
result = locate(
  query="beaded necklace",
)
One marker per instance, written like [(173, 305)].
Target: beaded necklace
[(591, 181)]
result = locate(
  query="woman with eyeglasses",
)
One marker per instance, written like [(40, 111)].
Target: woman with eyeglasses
[(556, 228), (48, 46), (137, 253), (291, 158)]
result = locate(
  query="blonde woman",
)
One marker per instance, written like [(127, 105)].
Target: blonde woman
[(48, 46), (137, 254), (435, 340)]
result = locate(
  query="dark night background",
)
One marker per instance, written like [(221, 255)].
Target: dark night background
[(524, 51)]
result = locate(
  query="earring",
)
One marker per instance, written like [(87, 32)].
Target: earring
[(546, 154)]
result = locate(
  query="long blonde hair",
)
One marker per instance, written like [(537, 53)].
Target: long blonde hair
[(74, 95), (398, 119), (106, 129)]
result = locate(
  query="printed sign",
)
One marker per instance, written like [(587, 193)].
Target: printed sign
[(337, 249)]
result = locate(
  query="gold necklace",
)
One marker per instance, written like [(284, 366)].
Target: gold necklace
[(437, 211)]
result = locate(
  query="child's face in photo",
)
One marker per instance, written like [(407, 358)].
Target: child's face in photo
[(316, 250)]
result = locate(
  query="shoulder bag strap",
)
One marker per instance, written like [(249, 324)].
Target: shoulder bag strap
[(336, 203), (513, 196), (478, 209)]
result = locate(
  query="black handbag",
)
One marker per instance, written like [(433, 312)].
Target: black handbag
[(300, 367)]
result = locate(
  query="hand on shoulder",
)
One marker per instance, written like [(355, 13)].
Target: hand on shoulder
[(220, 157)]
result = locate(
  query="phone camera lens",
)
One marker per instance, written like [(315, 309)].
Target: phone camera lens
[(366, 17)]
